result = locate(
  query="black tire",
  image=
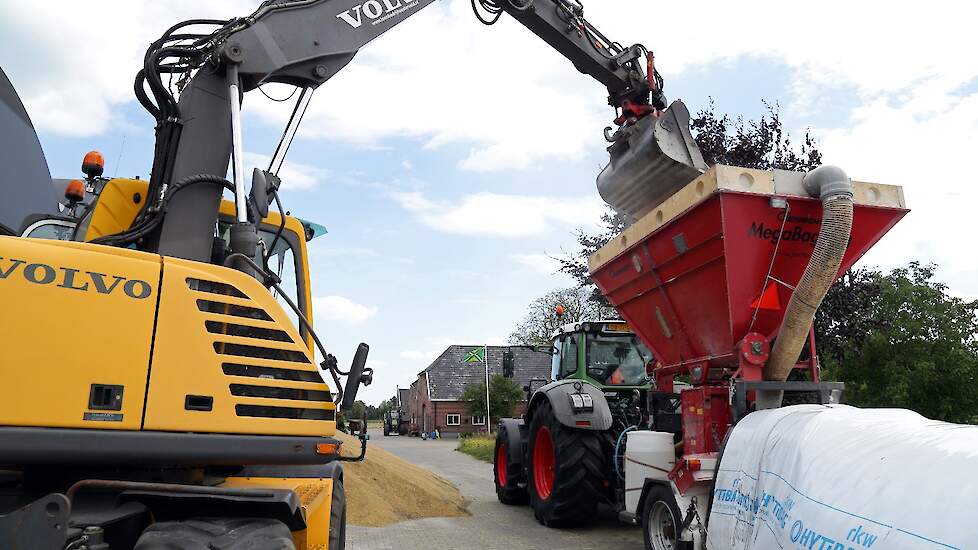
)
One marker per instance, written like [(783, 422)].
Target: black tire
[(506, 473), (579, 472), (387, 431), (657, 531), (337, 517), (210, 533)]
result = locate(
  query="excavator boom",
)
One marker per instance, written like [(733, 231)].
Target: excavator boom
[(304, 43)]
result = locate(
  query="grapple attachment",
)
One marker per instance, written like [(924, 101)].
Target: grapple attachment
[(651, 160)]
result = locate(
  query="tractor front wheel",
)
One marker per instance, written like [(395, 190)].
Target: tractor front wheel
[(506, 472), (567, 471)]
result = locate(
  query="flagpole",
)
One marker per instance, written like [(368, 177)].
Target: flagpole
[(488, 421)]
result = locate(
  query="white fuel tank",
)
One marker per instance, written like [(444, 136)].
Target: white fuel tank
[(648, 455)]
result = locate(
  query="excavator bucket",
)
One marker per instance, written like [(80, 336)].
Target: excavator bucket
[(653, 159), (25, 184)]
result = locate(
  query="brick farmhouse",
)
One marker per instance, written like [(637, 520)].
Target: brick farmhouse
[(435, 401)]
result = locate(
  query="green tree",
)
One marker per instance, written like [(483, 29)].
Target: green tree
[(761, 144), (910, 344), (359, 409), (542, 320), (504, 395)]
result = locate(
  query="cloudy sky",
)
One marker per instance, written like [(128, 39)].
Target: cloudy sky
[(450, 161)]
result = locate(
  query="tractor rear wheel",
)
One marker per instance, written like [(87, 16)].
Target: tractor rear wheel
[(566, 473), (210, 533), (506, 472)]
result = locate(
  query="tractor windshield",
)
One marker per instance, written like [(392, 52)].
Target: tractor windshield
[(617, 360)]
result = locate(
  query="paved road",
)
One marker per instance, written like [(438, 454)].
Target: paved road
[(492, 526)]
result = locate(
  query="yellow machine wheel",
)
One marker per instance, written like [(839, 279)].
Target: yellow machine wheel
[(337, 517), (224, 533)]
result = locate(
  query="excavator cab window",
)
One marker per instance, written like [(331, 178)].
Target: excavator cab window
[(51, 228)]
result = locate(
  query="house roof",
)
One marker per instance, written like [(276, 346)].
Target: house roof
[(402, 396), (458, 366)]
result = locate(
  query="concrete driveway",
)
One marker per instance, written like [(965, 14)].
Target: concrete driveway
[(492, 525)]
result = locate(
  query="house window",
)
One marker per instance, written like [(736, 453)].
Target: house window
[(478, 421), (453, 420)]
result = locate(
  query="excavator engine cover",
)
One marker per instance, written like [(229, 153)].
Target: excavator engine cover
[(653, 158)]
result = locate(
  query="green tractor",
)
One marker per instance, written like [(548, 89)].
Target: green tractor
[(563, 456)]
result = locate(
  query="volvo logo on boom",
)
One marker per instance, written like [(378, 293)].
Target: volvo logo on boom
[(376, 11), (73, 279)]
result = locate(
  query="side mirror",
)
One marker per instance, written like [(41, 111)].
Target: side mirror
[(355, 377), (262, 185)]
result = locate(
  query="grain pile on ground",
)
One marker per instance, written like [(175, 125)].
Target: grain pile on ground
[(385, 489)]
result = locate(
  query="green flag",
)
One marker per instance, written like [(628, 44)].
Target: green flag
[(477, 355)]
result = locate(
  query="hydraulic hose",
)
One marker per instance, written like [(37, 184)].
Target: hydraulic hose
[(833, 186)]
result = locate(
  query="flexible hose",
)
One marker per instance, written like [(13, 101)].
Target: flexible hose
[(835, 189), (618, 447)]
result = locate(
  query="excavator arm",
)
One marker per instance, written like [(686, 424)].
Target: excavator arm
[(304, 43)]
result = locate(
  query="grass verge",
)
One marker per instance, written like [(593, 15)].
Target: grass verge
[(478, 446)]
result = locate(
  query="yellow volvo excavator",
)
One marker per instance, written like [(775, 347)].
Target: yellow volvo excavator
[(160, 378)]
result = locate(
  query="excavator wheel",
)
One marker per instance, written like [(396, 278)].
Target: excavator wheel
[(337, 517), (506, 472), (223, 533), (566, 471)]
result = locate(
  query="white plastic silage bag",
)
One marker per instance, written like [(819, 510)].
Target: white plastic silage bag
[(841, 478)]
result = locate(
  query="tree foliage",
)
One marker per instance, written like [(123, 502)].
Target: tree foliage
[(762, 144), (909, 344), (541, 318), (504, 395)]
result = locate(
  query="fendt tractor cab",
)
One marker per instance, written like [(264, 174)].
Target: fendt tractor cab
[(574, 424), (606, 354)]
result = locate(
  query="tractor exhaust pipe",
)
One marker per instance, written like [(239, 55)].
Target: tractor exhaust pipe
[(834, 187)]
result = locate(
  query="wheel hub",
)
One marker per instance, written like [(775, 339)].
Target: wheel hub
[(543, 463), (501, 477), (662, 527)]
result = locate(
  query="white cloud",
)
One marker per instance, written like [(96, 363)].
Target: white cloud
[(420, 356), (341, 309), (341, 252), (515, 101), (495, 341), (295, 176), (539, 263), (495, 215), (72, 79), (893, 142)]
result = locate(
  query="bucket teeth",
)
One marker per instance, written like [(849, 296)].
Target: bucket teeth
[(652, 159)]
